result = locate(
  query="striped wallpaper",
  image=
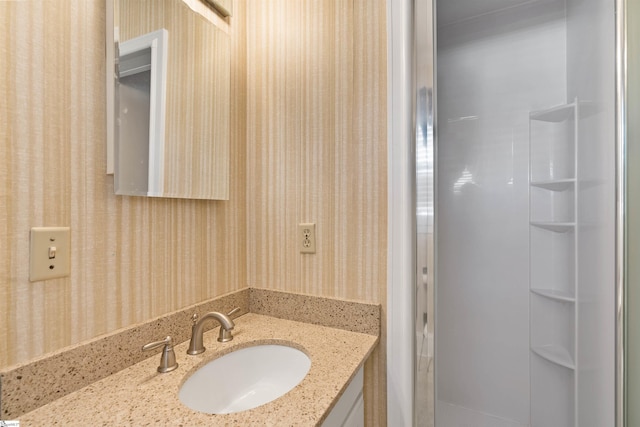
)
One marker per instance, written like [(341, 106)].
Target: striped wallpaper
[(308, 144), (316, 152), (132, 258)]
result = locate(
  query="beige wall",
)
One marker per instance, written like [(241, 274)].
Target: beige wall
[(316, 152), (315, 132), (132, 258)]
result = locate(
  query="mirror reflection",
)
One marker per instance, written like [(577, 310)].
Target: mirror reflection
[(171, 101)]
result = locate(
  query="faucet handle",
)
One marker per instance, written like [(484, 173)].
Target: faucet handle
[(194, 318), (168, 358), (225, 334)]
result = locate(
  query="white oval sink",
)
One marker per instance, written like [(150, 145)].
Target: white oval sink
[(244, 379)]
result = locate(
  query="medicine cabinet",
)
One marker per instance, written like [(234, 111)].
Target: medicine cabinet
[(170, 99)]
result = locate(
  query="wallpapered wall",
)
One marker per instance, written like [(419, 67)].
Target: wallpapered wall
[(308, 144), (316, 152), (316, 132), (132, 258)]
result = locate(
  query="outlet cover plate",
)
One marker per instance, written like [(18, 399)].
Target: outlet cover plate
[(49, 253), (307, 237)]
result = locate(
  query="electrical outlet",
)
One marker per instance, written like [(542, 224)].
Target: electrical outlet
[(307, 238)]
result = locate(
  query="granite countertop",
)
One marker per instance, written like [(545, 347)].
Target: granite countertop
[(140, 396)]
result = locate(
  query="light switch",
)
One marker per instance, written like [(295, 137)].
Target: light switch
[(50, 253)]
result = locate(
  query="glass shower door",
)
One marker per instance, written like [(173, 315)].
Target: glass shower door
[(524, 248)]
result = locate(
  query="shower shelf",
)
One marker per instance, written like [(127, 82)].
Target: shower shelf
[(557, 227), (555, 354), (555, 184), (553, 256), (554, 294), (555, 114)]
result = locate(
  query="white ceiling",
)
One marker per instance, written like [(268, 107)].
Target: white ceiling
[(450, 11)]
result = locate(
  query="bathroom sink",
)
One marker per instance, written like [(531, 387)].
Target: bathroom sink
[(244, 379)]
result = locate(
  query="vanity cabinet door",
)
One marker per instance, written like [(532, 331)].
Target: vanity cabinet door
[(349, 410)]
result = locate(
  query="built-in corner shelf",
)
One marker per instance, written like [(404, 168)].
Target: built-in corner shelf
[(556, 114), (563, 112), (554, 184), (553, 258), (557, 227), (555, 354), (554, 294)]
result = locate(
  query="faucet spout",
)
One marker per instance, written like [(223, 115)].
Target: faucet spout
[(196, 345)]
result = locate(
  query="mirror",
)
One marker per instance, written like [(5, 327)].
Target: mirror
[(170, 99)]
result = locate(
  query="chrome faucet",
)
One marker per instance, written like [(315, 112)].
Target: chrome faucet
[(197, 329)]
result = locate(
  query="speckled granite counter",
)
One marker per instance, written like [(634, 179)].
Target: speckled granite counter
[(139, 396)]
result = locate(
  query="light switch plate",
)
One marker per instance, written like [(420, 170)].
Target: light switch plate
[(49, 253)]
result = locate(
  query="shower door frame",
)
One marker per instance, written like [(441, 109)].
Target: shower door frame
[(401, 259), (621, 210)]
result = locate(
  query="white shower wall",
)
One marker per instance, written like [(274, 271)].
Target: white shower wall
[(492, 71)]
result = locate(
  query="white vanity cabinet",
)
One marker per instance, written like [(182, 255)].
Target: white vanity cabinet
[(349, 410)]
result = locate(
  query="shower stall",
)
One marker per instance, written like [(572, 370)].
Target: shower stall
[(503, 267)]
